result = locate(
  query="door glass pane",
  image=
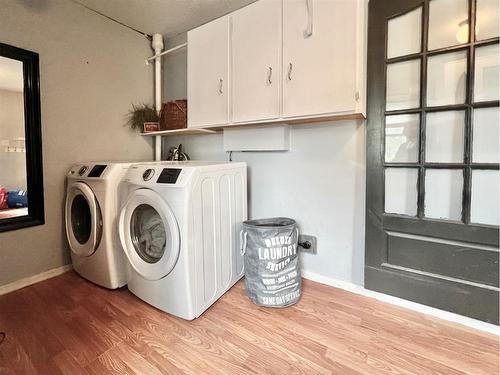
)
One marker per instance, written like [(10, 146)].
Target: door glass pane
[(401, 138), (81, 219), (486, 135), (487, 19), (443, 193), (448, 23), (486, 80), (485, 197), (444, 137), (401, 191), (148, 233), (403, 85), (446, 78), (404, 34)]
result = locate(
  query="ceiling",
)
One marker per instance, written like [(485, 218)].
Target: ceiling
[(11, 74), (167, 17)]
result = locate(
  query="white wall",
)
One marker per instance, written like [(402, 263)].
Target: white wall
[(320, 182), (92, 69)]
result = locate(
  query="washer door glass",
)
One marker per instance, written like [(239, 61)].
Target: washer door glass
[(148, 233), (81, 219)]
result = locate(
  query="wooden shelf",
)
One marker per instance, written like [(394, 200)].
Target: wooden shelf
[(187, 131), (219, 128)]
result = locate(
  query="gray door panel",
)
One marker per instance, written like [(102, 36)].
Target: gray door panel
[(458, 298), (458, 260)]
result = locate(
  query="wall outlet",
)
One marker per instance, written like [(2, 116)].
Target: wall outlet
[(307, 243)]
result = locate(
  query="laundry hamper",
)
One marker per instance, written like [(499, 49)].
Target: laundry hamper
[(272, 272)]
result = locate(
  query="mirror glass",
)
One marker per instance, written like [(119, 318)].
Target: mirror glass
[(21, 174), (13, 182)]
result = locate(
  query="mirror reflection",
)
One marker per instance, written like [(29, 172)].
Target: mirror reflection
[(13, 184)]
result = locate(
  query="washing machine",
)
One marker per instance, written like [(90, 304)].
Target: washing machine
[(179, 228), (91, 222)]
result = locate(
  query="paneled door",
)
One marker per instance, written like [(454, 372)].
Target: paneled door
[(208, 74), (433, 153), (256, 61), (319, 57)]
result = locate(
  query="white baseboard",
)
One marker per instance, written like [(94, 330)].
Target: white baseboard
[(19, 284), (441, 314)]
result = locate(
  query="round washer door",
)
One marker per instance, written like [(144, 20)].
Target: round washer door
[(83, 219), (149, 234)]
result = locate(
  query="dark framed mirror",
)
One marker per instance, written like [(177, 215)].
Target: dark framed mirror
[(21, 175)]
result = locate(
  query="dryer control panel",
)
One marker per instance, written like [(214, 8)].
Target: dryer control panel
[(169, 176), (166, 174), (97, 170)]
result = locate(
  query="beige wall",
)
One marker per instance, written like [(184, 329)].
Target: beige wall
[(12, 164), (91, 71)]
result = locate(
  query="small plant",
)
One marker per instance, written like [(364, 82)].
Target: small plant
[(139, 114)]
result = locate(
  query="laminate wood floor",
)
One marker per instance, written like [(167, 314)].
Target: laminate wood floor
[(66, 325)]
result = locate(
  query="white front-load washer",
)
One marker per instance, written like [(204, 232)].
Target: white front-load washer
[(179, 228), (91, 222)]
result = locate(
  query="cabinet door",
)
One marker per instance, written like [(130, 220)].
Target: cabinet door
[(208, 78), (319, 71), (256, 64)]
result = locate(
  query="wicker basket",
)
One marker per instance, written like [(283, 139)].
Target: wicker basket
[(174, 115)]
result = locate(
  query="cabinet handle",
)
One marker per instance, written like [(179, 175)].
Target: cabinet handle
[(221, 82), (270, 76), (289, 75), (308, 32)]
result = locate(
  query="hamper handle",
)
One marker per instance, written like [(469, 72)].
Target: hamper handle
[(243, 242)]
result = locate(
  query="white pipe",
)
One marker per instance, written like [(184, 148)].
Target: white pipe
[(165, 52), (157, 44)]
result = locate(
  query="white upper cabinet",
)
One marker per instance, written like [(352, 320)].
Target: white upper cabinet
[(319, 57), (208, 74), (256, 62), (278, 61)]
